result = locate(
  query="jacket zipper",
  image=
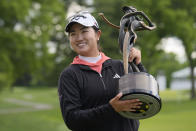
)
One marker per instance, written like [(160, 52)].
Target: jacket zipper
[(102, 81)]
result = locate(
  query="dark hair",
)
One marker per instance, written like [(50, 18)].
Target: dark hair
[(95, 28)]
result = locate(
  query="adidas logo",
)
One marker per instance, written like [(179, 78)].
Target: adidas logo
[(116, 76)]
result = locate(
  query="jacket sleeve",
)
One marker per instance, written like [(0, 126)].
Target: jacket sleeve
[(74, 116)]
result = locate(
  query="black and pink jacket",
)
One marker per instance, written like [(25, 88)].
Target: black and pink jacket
[(84, 96)]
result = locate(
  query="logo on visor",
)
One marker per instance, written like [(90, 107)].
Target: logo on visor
[(76, 18)]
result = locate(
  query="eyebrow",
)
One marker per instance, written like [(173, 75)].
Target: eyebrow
[(82, 28)]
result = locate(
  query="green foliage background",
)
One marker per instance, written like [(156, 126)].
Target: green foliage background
[(28, 27)]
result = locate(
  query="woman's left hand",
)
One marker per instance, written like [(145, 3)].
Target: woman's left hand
[(135, 54)]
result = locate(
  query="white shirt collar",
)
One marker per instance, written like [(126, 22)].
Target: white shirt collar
[(90, 59)]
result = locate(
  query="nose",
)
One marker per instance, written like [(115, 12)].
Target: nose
[(79, 37)]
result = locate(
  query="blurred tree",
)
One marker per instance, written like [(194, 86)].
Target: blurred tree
[(26, 27), (109, 38), (186, 31), (173, 18), (32, 43), (10, 48), (147, 41), (50, 22)]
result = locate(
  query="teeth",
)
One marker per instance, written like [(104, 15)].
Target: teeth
[(81, 44)]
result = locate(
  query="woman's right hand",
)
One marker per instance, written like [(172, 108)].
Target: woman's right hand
[(124, 105)]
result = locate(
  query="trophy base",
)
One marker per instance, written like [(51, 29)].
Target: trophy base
[(151, 105), (142, 86)]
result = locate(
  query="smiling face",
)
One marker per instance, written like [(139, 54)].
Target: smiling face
[(84, 40)]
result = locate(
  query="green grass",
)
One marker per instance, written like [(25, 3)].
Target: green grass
[(43, 120), (177, 114)]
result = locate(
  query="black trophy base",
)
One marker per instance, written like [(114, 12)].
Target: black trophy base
[(151, 105)]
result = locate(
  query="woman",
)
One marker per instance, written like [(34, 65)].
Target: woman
[(88, 88)]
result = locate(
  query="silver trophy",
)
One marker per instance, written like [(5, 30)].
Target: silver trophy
[(137, 84)]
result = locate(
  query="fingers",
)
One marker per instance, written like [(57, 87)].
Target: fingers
[(134, 107), (135, 54), (124, 105), (131, 105)]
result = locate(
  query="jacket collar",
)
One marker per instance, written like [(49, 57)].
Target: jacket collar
[(106, 64)]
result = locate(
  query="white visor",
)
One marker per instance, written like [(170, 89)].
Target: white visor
[(84, 18)]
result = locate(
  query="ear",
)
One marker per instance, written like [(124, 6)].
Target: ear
[(98, 34)]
